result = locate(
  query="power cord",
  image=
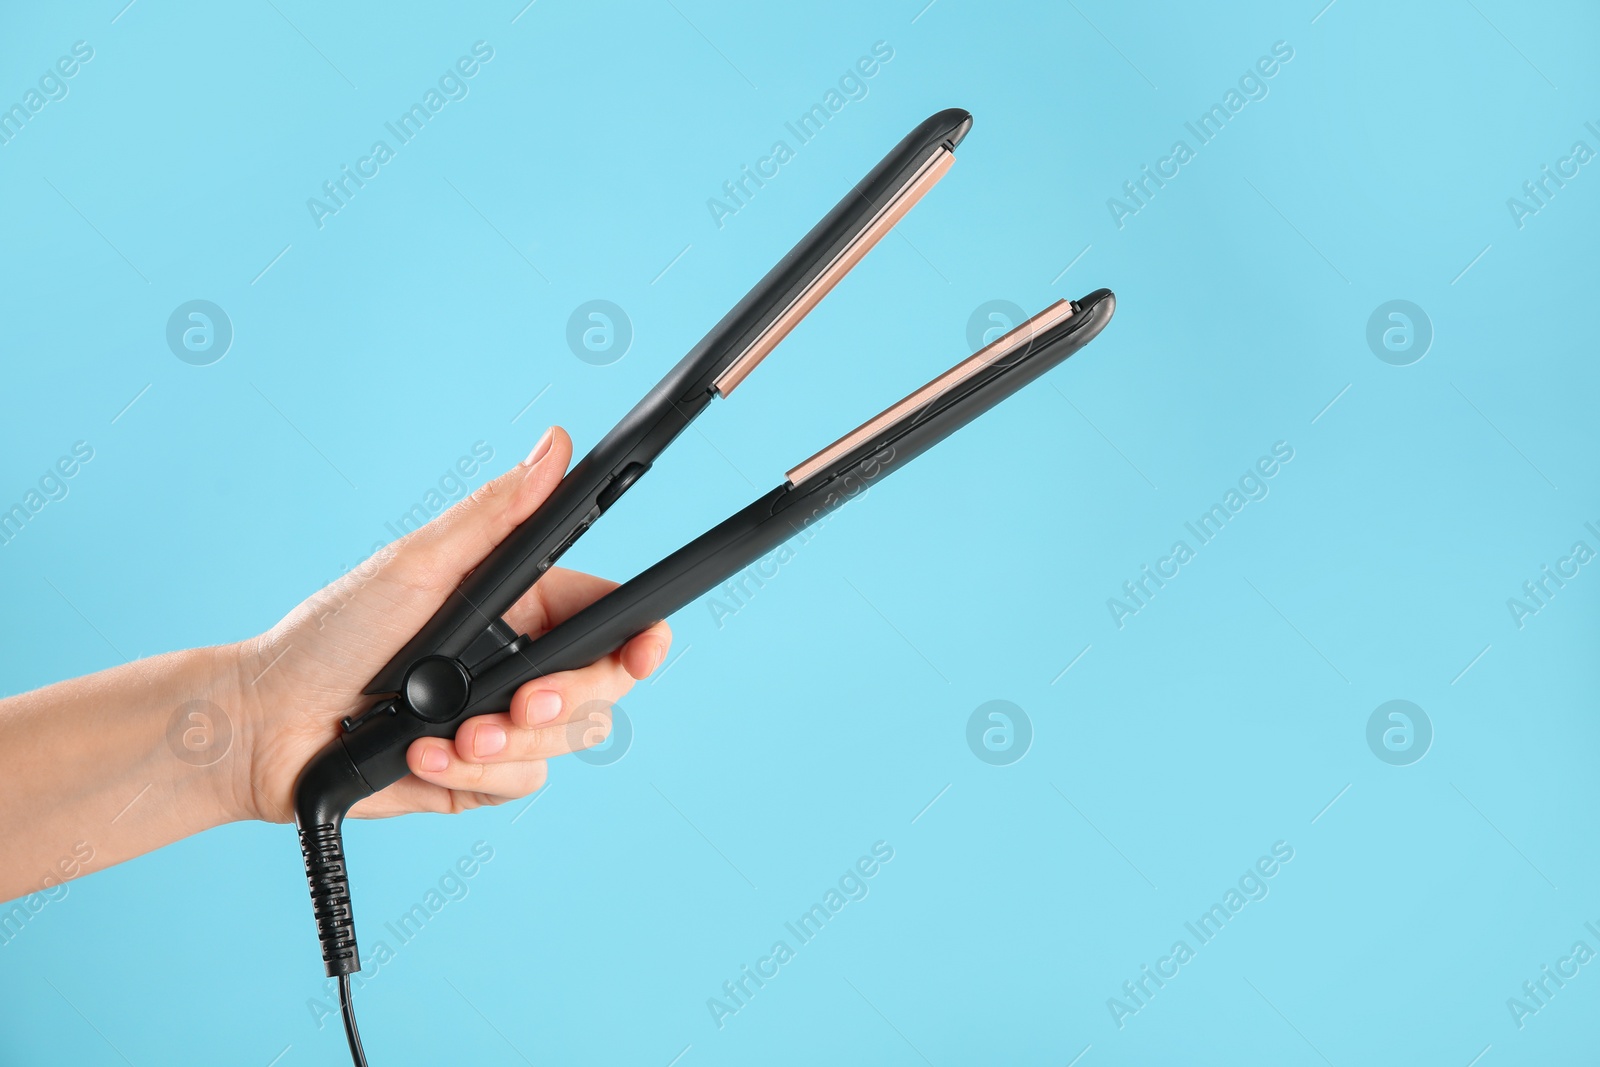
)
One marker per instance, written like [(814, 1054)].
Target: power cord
[(323, 848), (323, 793), (357, 1055)]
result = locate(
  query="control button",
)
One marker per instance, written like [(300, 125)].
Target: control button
[(621, 483), (436, 688), (383, 707), (572, 538), (488, 644)]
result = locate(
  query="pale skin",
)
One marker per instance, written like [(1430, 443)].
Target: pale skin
[(95, 765)]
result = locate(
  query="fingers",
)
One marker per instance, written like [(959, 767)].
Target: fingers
[(496, 739), (444, 550), (549, 717), (647, 651), (434, 762), (494, 758), (556, 697), (555, 598), (413, 794), (562, 593)]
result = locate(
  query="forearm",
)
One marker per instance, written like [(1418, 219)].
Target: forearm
[(106, 767)]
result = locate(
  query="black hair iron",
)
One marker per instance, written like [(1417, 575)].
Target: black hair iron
[(466, 661)]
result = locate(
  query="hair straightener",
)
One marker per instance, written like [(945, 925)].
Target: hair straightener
[(466, 661)]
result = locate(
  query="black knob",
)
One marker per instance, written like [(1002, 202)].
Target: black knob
[(436, 688)]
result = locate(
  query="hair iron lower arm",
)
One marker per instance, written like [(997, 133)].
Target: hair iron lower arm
[(440, 694), (816, 487)]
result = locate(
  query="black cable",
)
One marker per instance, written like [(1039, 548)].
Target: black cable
[(320, 802), (358, 1056)]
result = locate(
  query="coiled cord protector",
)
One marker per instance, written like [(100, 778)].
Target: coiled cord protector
[(322, 846), (325, 790)]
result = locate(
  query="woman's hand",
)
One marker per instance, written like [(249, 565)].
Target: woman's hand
[(111, 765), (299, 679)]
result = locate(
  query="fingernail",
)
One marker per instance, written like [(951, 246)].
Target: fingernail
[(539, 449), (660, 658), (544, 706), (488, 739), (434, 759)]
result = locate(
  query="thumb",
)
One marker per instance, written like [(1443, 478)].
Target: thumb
[(441, 553)]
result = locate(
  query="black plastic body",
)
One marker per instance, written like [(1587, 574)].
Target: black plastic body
[(435, 675), (371, 754), (467, 626), (758, 529)]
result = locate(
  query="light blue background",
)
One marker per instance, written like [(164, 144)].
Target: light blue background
[(829, 712)]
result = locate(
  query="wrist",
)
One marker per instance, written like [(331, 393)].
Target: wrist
[(220, 739), (270, 742)]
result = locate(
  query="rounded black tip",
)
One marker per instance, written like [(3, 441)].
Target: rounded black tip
[(1093, 301), (957, 121)]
